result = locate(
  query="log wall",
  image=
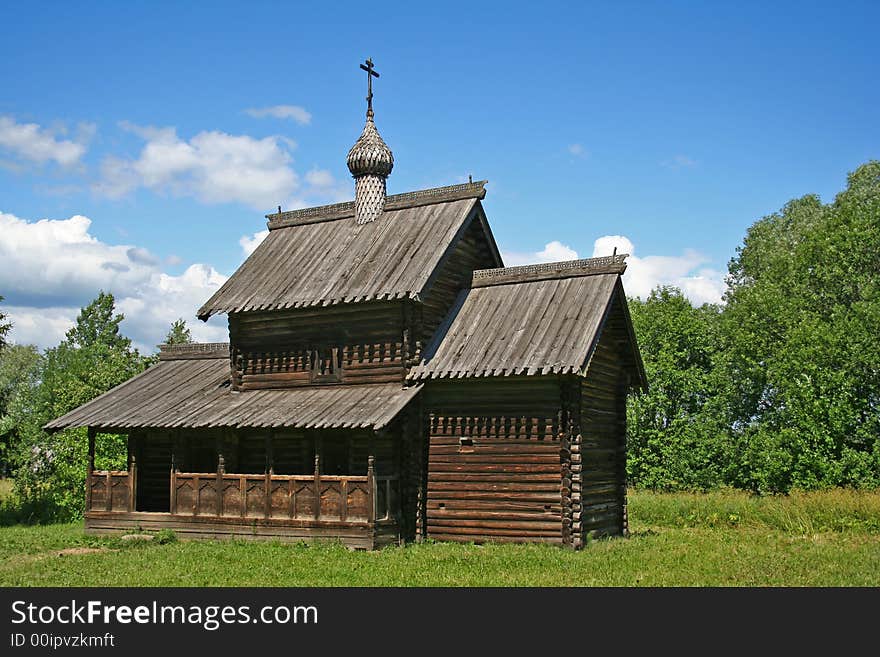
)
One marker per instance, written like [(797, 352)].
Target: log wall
[(454, 275), (276, 349), (599, 456), (494, 460)]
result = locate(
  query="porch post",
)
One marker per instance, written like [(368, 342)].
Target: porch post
[(90, 468), (221, 468), (371, 486), (172, 497), (132, 472), (318, 448), (269, 471)]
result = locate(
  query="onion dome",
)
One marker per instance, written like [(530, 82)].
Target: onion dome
[(370, 155)]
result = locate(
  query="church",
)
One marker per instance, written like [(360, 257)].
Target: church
[(387, 379)]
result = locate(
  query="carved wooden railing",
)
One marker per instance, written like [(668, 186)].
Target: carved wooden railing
[(110, 490), (327, 498)]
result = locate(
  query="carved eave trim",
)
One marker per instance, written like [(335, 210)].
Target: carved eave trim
[(615, 264), (194, 351), (394, 202)]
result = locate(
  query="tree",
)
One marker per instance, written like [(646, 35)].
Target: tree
[(4, 328), (802, 349), (179, 333), (673, 435), (19, 375), (93, 357)]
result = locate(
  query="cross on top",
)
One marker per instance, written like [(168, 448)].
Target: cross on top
[(371, 73)]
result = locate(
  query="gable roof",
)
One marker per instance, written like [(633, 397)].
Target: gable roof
[(537, 319), (321, 256), (189, 388)]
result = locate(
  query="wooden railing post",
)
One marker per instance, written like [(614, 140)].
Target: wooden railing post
[(317, 478), (132, 473), (269, 473), (90, 468), (371, 486), (108, 486), (221, 468), (172, 498)]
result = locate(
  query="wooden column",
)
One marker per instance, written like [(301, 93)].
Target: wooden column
[(221, 468), (318, 448), (270, 470), (172, 499), (371, 486), (132, 473), (90, 468)]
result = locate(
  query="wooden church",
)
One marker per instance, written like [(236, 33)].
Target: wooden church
[(386, 379)]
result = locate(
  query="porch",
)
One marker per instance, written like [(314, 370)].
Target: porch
[(361, 510)]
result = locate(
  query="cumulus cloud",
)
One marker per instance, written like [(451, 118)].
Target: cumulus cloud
[(292, 112), (249, 244), (213, 167), (33, 143), (53, 267), (688, 271), (552, 252)]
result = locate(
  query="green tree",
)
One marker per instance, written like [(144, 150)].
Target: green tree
[(93, 357), (179, 333), (4, 328), (802, 349), (19, 375), (674, 438)]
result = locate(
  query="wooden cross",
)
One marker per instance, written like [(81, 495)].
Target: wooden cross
[(368, 67)]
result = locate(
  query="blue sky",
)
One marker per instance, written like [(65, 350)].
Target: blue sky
[(670, 127)]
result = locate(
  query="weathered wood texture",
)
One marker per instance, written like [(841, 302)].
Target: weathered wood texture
[(602, 448), (360, 535), (472, 251), (186, 393), (109, 490), (494, 469), (337, 261), (533, 328), (278, 349)]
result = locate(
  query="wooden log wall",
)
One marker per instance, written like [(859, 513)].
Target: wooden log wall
[(455, 274), (494, 471), (274, 349), (602, 445)]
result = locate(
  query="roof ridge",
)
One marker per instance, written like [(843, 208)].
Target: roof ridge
[(193, 350), (613, 264), (394, 202)]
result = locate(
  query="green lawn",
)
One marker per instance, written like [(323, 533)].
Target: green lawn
[(718, 539)]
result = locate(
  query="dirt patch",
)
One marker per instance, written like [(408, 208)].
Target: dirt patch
[(68, 552)]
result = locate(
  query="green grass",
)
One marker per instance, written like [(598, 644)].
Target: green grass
[(718, 539)]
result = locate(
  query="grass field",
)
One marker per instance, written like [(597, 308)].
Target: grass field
[(718, 539)]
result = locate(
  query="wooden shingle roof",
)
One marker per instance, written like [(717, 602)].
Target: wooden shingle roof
[(321, 256), (532, 320), (190, 389)]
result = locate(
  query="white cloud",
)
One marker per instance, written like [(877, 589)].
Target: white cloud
[(33, 143), (213, 167), (552, 252), (699, 284), (249, 244), (577, 150), (293, 112), (54, 267)]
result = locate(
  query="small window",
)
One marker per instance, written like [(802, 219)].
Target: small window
[(327, 365), (465, 444)]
